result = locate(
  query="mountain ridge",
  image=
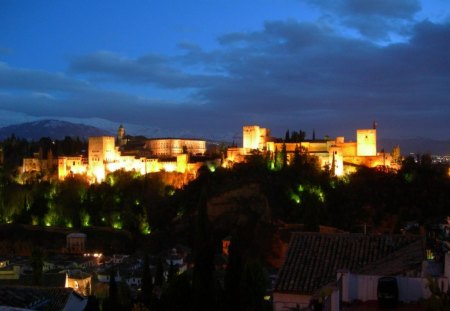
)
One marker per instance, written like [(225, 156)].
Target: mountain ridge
[(55, 129), (58, 129)]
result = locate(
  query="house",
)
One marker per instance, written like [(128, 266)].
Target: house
[(80, 281), (319, 264), (75, 243), (104, 275)]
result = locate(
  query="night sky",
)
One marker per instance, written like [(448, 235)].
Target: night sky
[(204, 68)]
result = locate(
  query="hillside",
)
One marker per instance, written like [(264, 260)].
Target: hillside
[(54, 129)]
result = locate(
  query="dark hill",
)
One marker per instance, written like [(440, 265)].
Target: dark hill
[(54, 129)]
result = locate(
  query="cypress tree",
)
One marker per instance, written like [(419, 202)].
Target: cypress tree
[(202, 283), (233, 275), (284, 155), (37, 263), (147, 282), (287, 136), (159, 274)]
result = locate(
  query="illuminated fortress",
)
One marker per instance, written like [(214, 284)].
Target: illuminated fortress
[(174, 154), (336, 154), (104, 156)]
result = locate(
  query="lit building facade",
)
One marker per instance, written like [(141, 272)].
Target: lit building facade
[(107, 154), (255, 137), (175, 146), (335, 154), (366, 143), (71, 165)]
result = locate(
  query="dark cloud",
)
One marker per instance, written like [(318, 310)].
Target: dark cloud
[(385, 8), (288, 75), (37, 80), (373, 19), (290, 68), (152, 69)]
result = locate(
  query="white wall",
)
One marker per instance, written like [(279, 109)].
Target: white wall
[(283, 301), (364, 287)]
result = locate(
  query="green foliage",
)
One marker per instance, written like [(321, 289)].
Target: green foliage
[(295, 192)]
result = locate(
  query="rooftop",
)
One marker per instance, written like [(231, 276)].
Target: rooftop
[(313, 259), (36, 298)]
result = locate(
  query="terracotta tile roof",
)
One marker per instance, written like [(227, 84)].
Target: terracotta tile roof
[(48, 280), (36, 298), (313, 259), (406, 260)]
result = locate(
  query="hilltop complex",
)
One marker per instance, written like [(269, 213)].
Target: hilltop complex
[(335, 154), (108, 154)]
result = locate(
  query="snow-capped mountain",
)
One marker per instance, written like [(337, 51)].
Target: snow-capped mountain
[(54, 129)]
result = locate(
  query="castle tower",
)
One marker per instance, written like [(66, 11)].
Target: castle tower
[(254, 137), (366, 142), (121, 136), (101, 150)]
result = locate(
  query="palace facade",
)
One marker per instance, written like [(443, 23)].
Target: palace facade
[(108, 154), (105, 156), (336, 154)]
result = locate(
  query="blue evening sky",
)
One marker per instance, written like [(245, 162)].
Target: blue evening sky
[(205, 68)]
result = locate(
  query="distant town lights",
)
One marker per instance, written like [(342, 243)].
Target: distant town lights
[(96, 255)]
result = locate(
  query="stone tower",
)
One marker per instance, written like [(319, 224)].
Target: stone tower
[(121, 136)]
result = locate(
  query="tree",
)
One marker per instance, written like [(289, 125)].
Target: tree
[(202, 283), (113, 301), (287, 136), (284, 155), (172, 272), (233, 274), (147, 282), (159, 274), (37, 263), (178, 294), (253, 285), (396, 155)]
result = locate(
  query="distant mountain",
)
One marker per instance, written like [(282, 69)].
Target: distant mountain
[(417, 145), (54, 129)]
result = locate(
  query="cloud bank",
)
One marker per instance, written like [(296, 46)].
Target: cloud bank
[(289, 74)]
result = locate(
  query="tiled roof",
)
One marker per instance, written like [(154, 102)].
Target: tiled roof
[(313, 259), (402, 261), (35, 297), (48, 280)]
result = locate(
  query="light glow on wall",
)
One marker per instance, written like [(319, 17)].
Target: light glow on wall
[(169, 167)]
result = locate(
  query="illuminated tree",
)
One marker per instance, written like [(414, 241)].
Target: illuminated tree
[(396, 155), (284, 156)]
